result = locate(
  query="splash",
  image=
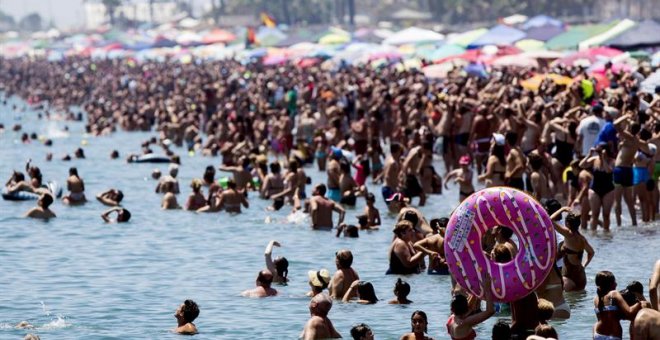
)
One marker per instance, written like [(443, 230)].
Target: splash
[(58, 323), (44, 308), (52, 131), (298, 217)]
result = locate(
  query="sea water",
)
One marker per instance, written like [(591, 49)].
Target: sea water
[(76, 277)]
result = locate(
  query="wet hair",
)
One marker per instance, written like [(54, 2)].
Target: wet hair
[(511, 138), (371, 197), (605, 283), (551, 206), (401, 288), (266, 278), (459, 305), (73, 172), (628, 296), (114, 154), (125, 216), (18, 176), (501, 330), (209, 173), (401, 227), (423, 315), (635, 287), (411, 217), (120, 196), (545, 310), (352, 231), (321, 189), (395, 147), (359, 331), (366, 292), (231, 184), (282, 266), (501, 254), (46, 200), (573, 221), (344, 258), (363, 220), (535, 161), (190, 310), (546, 331)]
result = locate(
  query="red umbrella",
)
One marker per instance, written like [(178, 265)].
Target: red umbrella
[(308, 62), (591, 55), (218, 36)]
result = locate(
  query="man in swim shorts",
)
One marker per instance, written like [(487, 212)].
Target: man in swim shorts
[(321, 208), (334, 173)]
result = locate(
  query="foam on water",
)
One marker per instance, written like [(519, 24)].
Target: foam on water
[(58, 323)]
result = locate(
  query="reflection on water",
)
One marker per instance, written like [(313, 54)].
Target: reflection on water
[(125, 281)]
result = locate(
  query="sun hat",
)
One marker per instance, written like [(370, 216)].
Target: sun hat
[(499, 138), (320, 279)]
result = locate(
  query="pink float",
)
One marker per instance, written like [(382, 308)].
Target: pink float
[(487, 209)]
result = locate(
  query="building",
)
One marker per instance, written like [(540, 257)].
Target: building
[(96, 14)]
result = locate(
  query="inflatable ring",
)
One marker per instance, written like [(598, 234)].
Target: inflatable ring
[(485, 210)]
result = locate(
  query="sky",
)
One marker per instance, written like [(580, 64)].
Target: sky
[(65, 13)]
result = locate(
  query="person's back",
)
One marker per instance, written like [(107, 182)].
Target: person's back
[(524, 315), (321, 212), (344, 276), (646, 325), (319, 325), (263, 289)]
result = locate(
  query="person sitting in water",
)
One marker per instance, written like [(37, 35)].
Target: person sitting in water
[(545, 332), (263, 289), (461, 322), (76, 188), (279, 267), (42, 210), (319, 326), (419, 323), (363, 291), (196, 199), (123, 215), (318, 281), (111, 197), (185, 315), (362, 332), (401, 291), (344, 276), (169, 199), (348, 230), (18, 183), (231, 199), (321, 209)]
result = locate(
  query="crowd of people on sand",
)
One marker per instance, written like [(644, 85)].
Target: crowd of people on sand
[(582, 150)]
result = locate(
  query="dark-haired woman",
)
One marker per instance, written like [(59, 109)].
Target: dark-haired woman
[(76, 188), (573, 247), (460, 323), (365, 292), (610, 307), (401, 291), (420, 324), (495, 166), (279, 267), (601, 191)]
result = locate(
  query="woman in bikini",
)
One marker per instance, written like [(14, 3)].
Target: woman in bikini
[(610, 307), (496, 165), (76, 188), (601, 191), (231, 199), (573, 247), (463, 176)]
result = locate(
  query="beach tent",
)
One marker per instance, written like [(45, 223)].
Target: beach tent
[(575, 35), (541, 21), (544, 33), (464, 39), (617, 29), (498, 35), (646, 34), (413, 35)]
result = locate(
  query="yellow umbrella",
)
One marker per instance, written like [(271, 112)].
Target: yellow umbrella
[(530, 45), (534, 82), (334, 39)]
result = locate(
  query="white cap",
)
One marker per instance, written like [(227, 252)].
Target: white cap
[(499, 138), (653, 149)]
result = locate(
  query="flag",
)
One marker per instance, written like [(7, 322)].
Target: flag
[(267, 20)]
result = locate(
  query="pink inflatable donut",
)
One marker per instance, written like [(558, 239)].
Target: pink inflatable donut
[(487, 209)]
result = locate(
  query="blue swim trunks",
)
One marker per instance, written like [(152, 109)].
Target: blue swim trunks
[(334, 194)]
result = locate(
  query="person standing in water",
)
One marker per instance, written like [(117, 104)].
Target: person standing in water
[(42, 211), (185, 315), (321, 208), (573, 247), (319, 325), (76, 188)]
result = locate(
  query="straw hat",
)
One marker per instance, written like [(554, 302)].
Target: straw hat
[(319, 278)]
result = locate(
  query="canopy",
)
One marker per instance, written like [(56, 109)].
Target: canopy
[(335, 39), (498, 35), (617, 29), (644, 35), (413, 35), (544, 33), (514, 19), (540, 21), (443, 52), (464, 39), (575, 35)]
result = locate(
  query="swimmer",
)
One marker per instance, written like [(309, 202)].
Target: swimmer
[(318, 281), (24, 325), (79, 153), (403, 258), (646, 325), (263, 289), (196, 199), (321, 209), (123, 215), (575, 244), (348, 230), (76, 188), (185, 315), (42, 211), (362, 332), (111, 197), (279, 267), (363, 291), (319, 325), (344, 276), (433, 246), (232, 199), (419, 323), (114, 154), (155, 174), (169, 199), (173, 172), (462, 176), (372, 213), (401, 291)]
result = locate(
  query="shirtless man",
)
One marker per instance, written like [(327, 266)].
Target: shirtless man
[(515, 163), (319, 326), (173, 171), (540, 189), (169, 199), (185, 315), (123, 215), (241, 174), (480, 136), (433, 246), (409, 174), (646, 325), (263, 289), (232, 199), (111, 197), (391, 172), (42, 211), (344, 276), (334, 173), (321, 209)]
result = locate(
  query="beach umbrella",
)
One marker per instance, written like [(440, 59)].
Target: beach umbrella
[(334, 39), (443, 51), (615, 30), (589, 56), (544, 33), (218, 36), (440, 71), (530, 45), (476, 69), (275, 60), (308, 62), (651, 82), (515, 60), (542, 54), (498, 35), (188, 37), (413, 35), (464, 39), (514, 19), (575, 35), (646, 34), (534, 82)]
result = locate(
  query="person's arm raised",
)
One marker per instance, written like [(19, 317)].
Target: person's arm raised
[(480, 317)]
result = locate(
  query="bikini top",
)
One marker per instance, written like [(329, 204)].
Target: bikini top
[(607, 308)]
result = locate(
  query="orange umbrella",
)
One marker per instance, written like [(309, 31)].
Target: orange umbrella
[(534, 82)]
